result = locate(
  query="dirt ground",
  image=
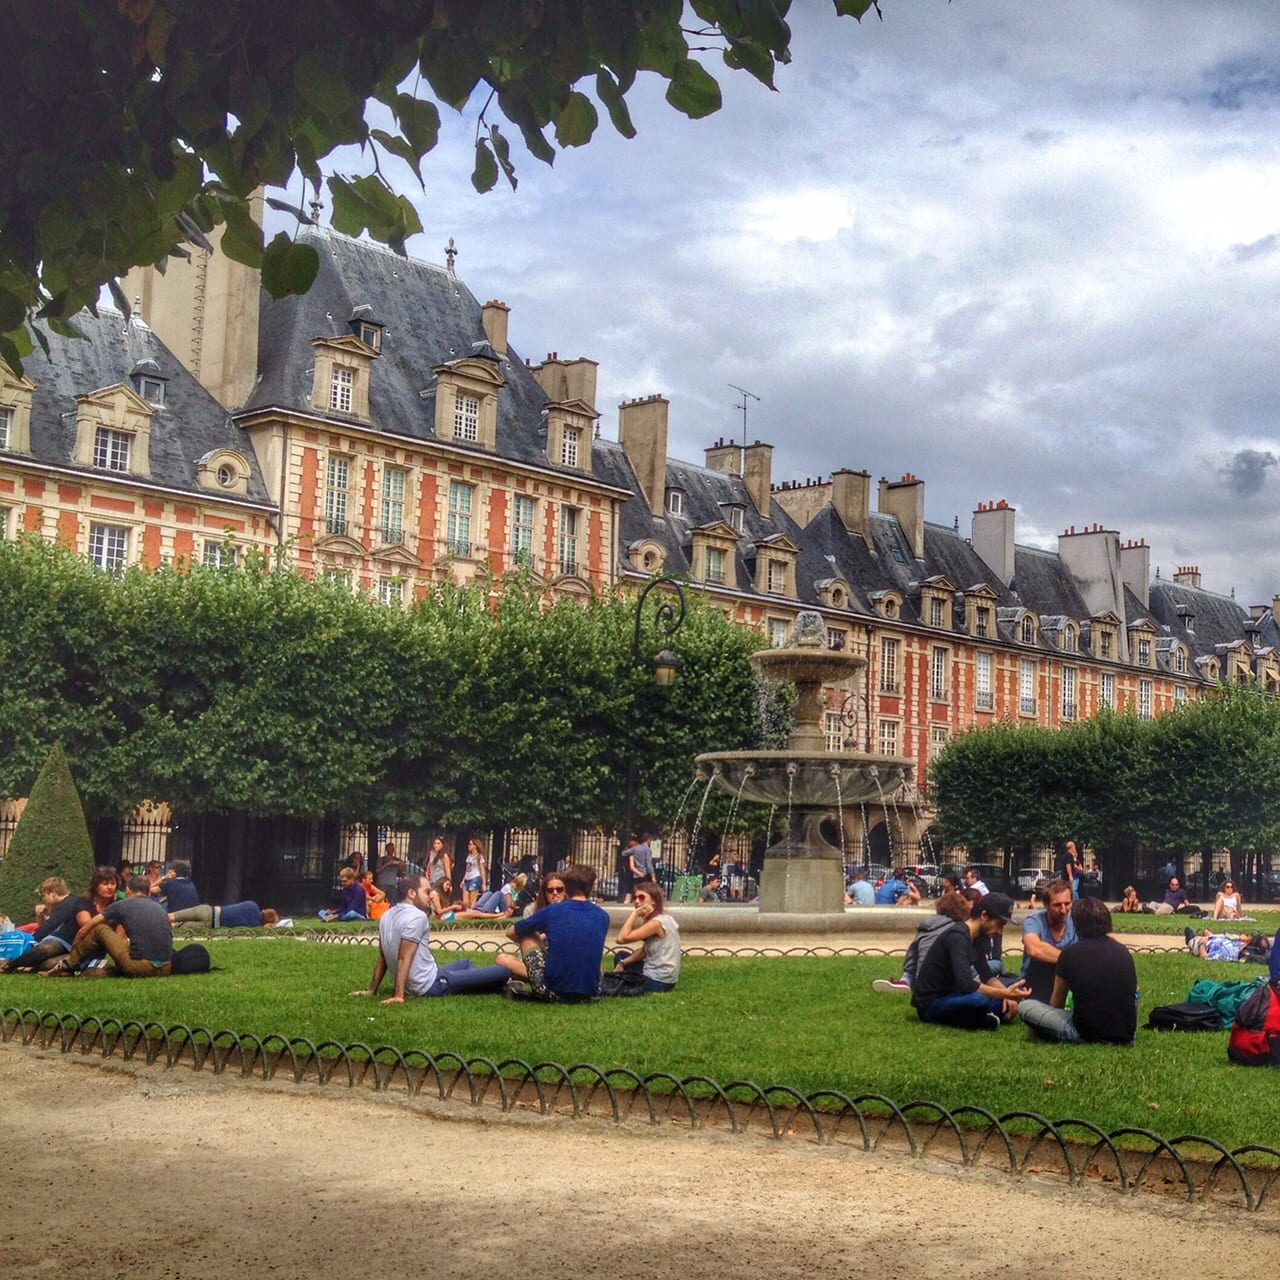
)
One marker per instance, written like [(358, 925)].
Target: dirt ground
[(175, 1174)]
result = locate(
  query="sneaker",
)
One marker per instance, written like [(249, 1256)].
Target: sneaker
[(885, 986), (992, 1022)]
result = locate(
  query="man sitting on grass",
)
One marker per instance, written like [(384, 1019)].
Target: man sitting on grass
[(896, 892), (1099, 974), (955, 985), (61, 915), (134, 931), (1044, 936), (403, 934), (562, 946)]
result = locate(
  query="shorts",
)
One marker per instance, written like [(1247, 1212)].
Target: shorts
[(473, 885)]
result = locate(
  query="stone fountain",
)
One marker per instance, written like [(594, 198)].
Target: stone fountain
[(804, 872)]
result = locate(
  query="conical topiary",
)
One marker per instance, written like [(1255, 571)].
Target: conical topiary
[(52, 839)]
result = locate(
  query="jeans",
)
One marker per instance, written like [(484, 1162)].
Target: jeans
[(465, 978), (968, 1011), (1049, 1023), (105, 937)]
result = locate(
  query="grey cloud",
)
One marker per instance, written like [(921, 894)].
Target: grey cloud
[(1043, 137), (1256, 249), (944, 140), (1246, 471)]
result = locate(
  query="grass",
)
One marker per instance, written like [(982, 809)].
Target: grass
[(809, 1023), (1265, 920)]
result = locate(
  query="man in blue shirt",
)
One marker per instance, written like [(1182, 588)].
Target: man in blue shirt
[(1044, 935), (562, 945), (896, 892), (860, 892)]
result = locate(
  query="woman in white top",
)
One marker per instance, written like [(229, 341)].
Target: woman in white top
[(658, 935), (1228, 905), (473, 874)]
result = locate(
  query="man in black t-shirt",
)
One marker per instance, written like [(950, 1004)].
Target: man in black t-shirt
[(134, 931), (61, 913), (1099, 974)]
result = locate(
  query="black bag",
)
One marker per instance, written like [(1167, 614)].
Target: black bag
[(628, 981), (1190, 1015), (190, 959)]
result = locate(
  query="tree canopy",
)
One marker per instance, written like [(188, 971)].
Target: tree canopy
[(135, 127)]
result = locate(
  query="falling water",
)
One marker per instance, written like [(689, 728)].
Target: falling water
[(888, 829), (893, 801), (866, 834), (835, 773), (698, 776), (697, 822), (748, 773), (791, 789)]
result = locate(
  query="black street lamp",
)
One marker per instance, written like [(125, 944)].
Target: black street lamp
[(667, 619)]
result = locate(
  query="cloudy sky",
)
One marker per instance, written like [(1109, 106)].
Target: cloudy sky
[(1024, 250)]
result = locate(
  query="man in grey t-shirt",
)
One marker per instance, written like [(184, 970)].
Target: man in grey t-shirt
[(134, 931)]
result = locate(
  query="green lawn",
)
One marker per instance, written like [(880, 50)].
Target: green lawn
[(808, 1023)]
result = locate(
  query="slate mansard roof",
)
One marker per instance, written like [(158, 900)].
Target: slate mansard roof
[(187, 426), (429, 318)]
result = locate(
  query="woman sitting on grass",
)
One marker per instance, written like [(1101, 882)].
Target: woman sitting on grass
[(497, 904), (1130, 903), (371, 890), (1228, 905), (353, 902), (658, 935)]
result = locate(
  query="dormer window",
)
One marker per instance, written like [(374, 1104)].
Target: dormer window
[(982, 622), (736, 517), (715, 565), (466, 418), (675, 502), (112, 449), (936, 612), (6, 426), (341, 388), (148, 381), (370, 334), (1144, 652), (1069, 638), (1027, 630), (1180, 661), (569, 442), (1104, 644)]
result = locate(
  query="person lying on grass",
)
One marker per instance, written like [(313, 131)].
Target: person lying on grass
[(1227, 946), (955, 985), (1099, 974), (404, 933), (235, 915), (497, 904)]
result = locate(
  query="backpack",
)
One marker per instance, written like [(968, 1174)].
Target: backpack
[(1226, 997), (190, 959), (1255, 1033), (1190, 1015)]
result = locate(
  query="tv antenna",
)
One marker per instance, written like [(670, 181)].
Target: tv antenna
[(745, 394)]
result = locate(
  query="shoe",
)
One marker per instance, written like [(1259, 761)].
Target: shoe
[(992, 1022), (1189, 937), (886, 986)]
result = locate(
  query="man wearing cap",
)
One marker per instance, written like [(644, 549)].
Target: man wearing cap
[(954, 985), (1044, 935)]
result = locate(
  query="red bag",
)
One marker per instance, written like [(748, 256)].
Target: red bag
[(1255, 1033)]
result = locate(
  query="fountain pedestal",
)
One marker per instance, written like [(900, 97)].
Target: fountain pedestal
[(804, 875)]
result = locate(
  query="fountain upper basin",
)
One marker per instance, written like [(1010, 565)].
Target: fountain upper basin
[(807, 779)]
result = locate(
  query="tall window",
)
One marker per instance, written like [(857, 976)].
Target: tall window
[(569, 521), (938, 673), (4, 524), (833, 731), (736, 519), (1179, 693), (1069, 693), (337, 480), (344, 380), (6, 422), (522, 529), (837, 638), (1144, 699), (1180, 661), (1104, 644), (982, 682), (776, 629), (675, 502), (391, 591), (219, 555), (1144, 652), (715, 564), (939, 735), (466, 418), (459, 519), (1107, 690), (1028, 631), (777, 577), (111, 449), (392, 504), (1069, 639), (888, 666), (888, 737), (982, 622), (1027, 687), (108, 546), (936, 612), (569, 446)]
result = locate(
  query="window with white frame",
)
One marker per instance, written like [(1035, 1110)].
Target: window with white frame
[(1069, 638), (339, 577), (833, 731), (337, 482), (777, 577), (1144, 652), (459, 528), (1180, 660), (1179, 693), (570, 520), (889, 678), (1104, 644), (939, 736), (837, 639), (111, 449), (393, 485), (1069, 682), (466, 418), (776, 630), (1107, 690), (982, 683), (522, 529), (6, 524), (1028, 631), (937, 612), (1027, 687), (675, 502), (151, 389), (982, 622), (391, 591), (219, 555), (341, 388), (1144, 699), (569, 443), (887, 736), (737, 518), (715, 564), (6, 426), (108, 546), (939, 661)]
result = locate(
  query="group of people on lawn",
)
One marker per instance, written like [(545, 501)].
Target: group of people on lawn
[(561, 942)]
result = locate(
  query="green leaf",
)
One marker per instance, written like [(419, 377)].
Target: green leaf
[(397, 146), (242, 238), (502, 149), (576, 122), (419, 122), (745, 56), (288, 267), (485, 175), (694, 91), (610, 93), (857, 8), (763, 23)]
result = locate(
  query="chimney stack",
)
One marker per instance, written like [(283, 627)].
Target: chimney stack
[(904, 499), (1135, 569), (642, 432), (1187, 575), (726, 458), (493, 317), (851, 498), (757, 474), (991, 533)]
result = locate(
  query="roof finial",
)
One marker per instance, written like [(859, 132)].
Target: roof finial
[(450, 253), (315, 208)]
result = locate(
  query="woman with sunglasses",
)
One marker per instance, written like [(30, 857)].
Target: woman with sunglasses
[(658, 935), (552, 889), (1228, 905)]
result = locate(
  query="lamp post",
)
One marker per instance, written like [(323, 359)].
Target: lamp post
[(667, 620)]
